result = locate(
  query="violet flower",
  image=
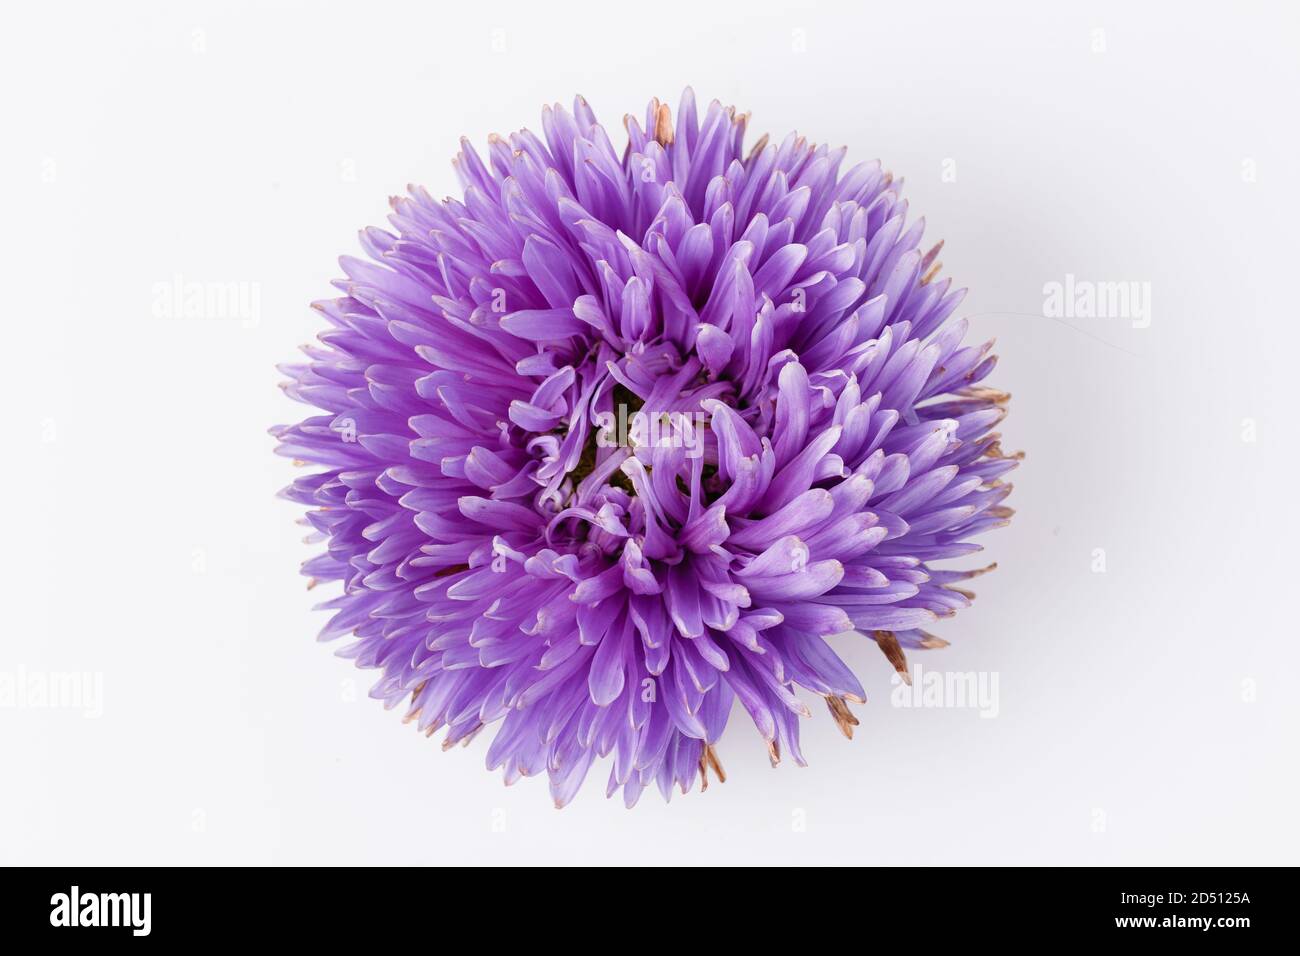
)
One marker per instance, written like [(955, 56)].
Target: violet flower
[(609, 444)]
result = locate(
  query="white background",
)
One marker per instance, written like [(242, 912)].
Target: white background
[(1148, 713)]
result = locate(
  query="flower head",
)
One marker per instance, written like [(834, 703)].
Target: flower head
[(611, 443)]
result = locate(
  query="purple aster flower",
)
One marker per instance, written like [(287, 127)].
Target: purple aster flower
[(611, 443)]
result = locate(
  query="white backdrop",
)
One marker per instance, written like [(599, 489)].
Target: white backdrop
[(1140, 627)]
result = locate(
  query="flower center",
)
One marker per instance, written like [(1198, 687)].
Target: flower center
[(603, 438)]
